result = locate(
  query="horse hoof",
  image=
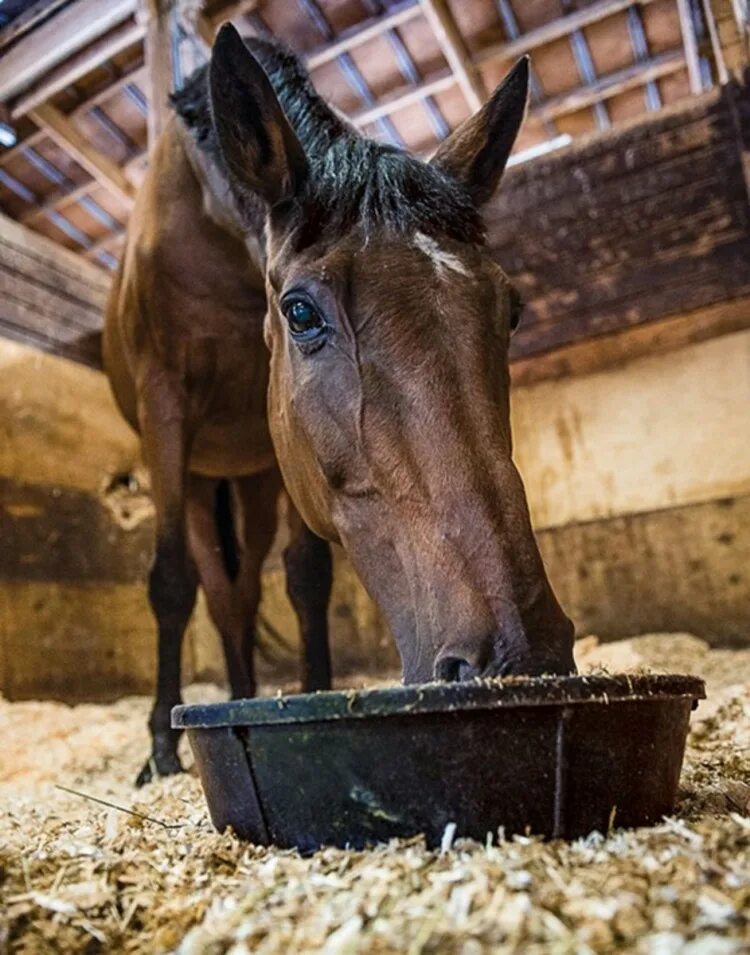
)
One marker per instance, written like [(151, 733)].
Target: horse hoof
[(166, 764)]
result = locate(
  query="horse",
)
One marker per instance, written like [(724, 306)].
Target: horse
[(301, 307)]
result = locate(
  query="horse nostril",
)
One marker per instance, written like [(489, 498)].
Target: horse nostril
[(455, 670)]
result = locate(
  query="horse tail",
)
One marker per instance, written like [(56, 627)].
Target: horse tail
[(224, 517)]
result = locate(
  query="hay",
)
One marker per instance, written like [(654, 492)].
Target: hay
[(77, 876)]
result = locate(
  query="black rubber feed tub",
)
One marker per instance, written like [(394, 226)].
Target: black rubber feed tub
[(557, 757)]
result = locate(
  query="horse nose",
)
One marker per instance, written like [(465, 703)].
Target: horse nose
[(469, 660), (452, 669)]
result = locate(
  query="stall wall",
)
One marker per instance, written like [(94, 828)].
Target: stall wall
[(638, 479)]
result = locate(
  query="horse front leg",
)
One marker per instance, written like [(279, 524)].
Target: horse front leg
[(309, 578), (172, 581)]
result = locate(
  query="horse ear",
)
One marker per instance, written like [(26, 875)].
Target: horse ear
[(260, 148), (477, 152)]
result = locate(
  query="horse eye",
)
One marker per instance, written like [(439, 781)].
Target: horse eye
[(516, 310), (303, 319)]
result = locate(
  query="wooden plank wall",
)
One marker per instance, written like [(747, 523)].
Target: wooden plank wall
[(50, 298), (631, 227)]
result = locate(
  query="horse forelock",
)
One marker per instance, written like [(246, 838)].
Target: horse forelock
[(354, 181)]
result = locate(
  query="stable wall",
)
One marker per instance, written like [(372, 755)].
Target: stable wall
[(76, 537), (638, 478)]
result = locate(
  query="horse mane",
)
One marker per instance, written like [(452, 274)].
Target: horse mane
[(353, 179)]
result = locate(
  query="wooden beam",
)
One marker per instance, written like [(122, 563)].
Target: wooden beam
[(646, 221), (554, 30), (136, 76), (391, 104), (58, 38), (50, 298), (105, 244), (604, 88), (106, 172), (60, 199), (438, 14), (79, 64), (40, 10), (362, 34), (716, 46), (608, 351), (609, 85), (159, 51), (690, 45), (205, 26)]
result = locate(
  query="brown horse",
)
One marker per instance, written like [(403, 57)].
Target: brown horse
[(385, 400)]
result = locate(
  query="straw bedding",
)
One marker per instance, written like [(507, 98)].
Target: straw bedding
[(78, 876)]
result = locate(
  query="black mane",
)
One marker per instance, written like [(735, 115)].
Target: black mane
[(353, 180)]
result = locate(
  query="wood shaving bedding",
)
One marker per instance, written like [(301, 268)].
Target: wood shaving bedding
[(77, 876)]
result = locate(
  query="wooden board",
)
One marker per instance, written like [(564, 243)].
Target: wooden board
[(630, 227), (682, 569), (50, 298)]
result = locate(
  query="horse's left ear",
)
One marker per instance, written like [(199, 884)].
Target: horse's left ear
[(476, 153), (260, 148)]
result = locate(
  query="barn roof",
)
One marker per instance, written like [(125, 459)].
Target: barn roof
[(77, 95)]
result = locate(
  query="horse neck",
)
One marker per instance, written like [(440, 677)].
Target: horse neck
[(219, 203)]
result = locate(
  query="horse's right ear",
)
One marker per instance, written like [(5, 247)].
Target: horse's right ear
[(476, 153), (260, 148)]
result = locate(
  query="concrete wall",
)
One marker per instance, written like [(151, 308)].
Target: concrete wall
[(638, 479)]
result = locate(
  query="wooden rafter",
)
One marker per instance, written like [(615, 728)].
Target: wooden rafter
[(33, 139), (61, 36), (60, 200), (106, 172), (106, 244), (362, 34), (79, 64), (554, 30), (453, 45), (609, 85), (39, 10), (154, 25), (605, 87), (690, 44), (388, 105), (716, 44), (159, 52)]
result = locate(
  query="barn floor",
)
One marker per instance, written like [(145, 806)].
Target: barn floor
[(76, 876)]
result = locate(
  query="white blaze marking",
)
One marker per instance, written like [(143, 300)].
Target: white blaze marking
[(441, 259)]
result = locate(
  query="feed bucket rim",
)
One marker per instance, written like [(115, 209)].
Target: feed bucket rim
[(413, 700)]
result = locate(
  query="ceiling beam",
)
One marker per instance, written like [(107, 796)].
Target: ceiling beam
[(106, 244), (609, 85), (106, 172), (65, 74), (580, 97), (61, 199), (453, 45), (206, 27), (391, 104), (554, 30), (362, 34), (31, 16), (136, 76), (58, 38), (159, 51), (690, 45), (716, 46)]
